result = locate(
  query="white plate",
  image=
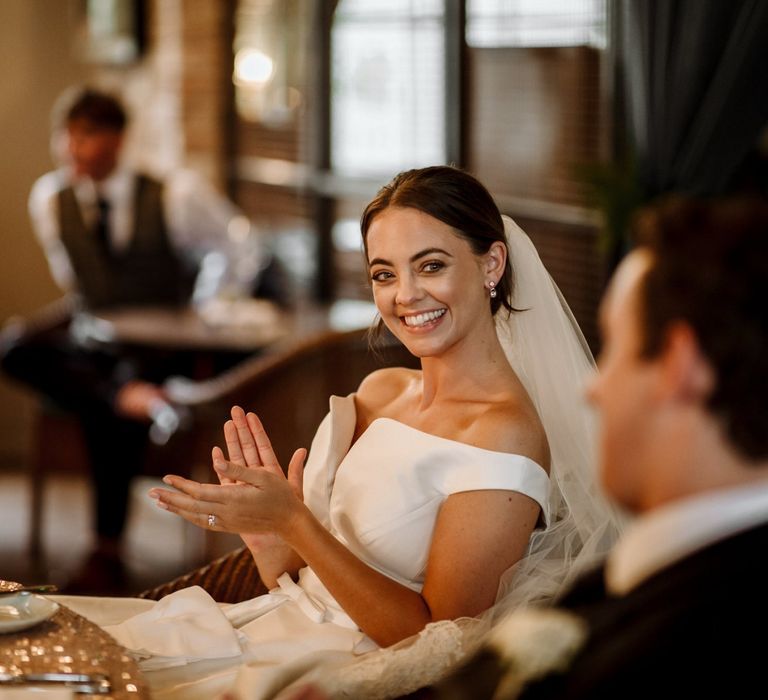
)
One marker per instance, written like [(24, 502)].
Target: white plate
[(23, 610)]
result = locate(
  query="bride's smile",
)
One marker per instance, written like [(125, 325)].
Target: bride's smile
[(423, 319)]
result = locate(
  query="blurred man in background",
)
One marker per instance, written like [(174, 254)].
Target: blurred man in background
[(115, 237)]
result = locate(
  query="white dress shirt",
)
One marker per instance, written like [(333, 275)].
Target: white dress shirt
[(680, 528), (198, 219)]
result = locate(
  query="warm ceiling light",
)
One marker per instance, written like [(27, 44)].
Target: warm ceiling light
[(253, 67)]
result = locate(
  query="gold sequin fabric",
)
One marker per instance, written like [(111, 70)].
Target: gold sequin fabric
[(68, 643)]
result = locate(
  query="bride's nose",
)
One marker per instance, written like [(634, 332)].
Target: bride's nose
[(408, 290)]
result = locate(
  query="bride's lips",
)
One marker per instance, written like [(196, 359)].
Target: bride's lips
[(423, 320)]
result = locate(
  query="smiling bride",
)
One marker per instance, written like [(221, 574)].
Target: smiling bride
[(460, 490)]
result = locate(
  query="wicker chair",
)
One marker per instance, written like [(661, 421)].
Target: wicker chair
[(287, 388), (228, 579)]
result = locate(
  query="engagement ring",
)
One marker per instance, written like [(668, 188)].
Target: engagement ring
[(211, 520)]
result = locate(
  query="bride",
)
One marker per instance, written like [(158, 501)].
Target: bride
[(451, 493)]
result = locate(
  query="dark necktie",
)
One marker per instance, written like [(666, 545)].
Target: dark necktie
[(102, 226)]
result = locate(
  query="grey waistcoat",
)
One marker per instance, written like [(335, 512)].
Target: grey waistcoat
[(148, 272)]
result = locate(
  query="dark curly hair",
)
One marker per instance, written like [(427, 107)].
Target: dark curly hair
[(456, 198), (710, 270)]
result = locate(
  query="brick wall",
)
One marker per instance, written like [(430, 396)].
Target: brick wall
[(206, 43)]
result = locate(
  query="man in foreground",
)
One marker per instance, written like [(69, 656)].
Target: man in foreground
[(677, 607)]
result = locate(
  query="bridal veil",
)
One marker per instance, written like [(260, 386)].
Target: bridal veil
[(546, 348)]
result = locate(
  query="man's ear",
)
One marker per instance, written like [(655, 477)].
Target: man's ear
[(685, 372)]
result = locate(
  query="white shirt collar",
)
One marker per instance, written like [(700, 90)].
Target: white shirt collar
[(672, 532), (116, 188)]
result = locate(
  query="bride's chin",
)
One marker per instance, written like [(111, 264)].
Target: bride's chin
[(415, 343), (418, 347)]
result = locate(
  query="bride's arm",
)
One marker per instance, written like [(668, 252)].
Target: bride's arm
[(478, 535)]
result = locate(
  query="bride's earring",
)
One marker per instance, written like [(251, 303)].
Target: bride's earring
[(492, 289)]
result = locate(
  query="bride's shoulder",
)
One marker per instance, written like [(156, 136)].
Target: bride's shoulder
[(383, 386), (514, 428)]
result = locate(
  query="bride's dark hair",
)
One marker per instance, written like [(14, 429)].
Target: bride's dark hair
[(456, 198)]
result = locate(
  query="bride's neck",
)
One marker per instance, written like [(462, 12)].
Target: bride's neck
[(474, 368)]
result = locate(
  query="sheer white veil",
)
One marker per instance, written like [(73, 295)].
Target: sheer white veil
[(546, 348)]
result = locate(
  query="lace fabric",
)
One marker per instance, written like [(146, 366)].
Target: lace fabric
[(396, 670), (546, 348)]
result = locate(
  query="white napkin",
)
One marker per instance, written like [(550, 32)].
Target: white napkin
[(185, 626)]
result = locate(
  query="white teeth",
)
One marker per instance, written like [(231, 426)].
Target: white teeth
[(421, 319)]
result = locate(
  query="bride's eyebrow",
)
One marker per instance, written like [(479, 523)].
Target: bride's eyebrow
[(413, 258)]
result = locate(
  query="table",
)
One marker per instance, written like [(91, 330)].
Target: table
[(242, 325), (69, 643), (238, 325)]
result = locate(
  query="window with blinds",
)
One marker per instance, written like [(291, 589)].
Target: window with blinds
[(531, 110), (388, 86), (536, 110), (497, 23)]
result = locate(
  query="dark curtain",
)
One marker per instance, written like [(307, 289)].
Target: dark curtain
[(696, 80)]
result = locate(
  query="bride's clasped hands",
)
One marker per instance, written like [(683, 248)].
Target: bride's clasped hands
[(255, 498)]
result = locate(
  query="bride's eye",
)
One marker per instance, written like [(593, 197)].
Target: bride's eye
[(381, 276), (432, 266)]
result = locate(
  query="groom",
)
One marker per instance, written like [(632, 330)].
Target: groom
[(680, 608)]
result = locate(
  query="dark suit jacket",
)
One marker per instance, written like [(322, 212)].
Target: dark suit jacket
[(697, 629)]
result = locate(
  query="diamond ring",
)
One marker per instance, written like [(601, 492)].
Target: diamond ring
[(211, 520)]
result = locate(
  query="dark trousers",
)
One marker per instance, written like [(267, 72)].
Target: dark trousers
[(84, 381)]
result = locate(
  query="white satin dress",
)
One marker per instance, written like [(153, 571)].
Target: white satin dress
[(380, 497)]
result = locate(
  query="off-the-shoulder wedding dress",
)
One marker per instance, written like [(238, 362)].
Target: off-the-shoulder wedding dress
[(379, 496)]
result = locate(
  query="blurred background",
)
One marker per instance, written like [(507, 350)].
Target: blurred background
[(570, 111)]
